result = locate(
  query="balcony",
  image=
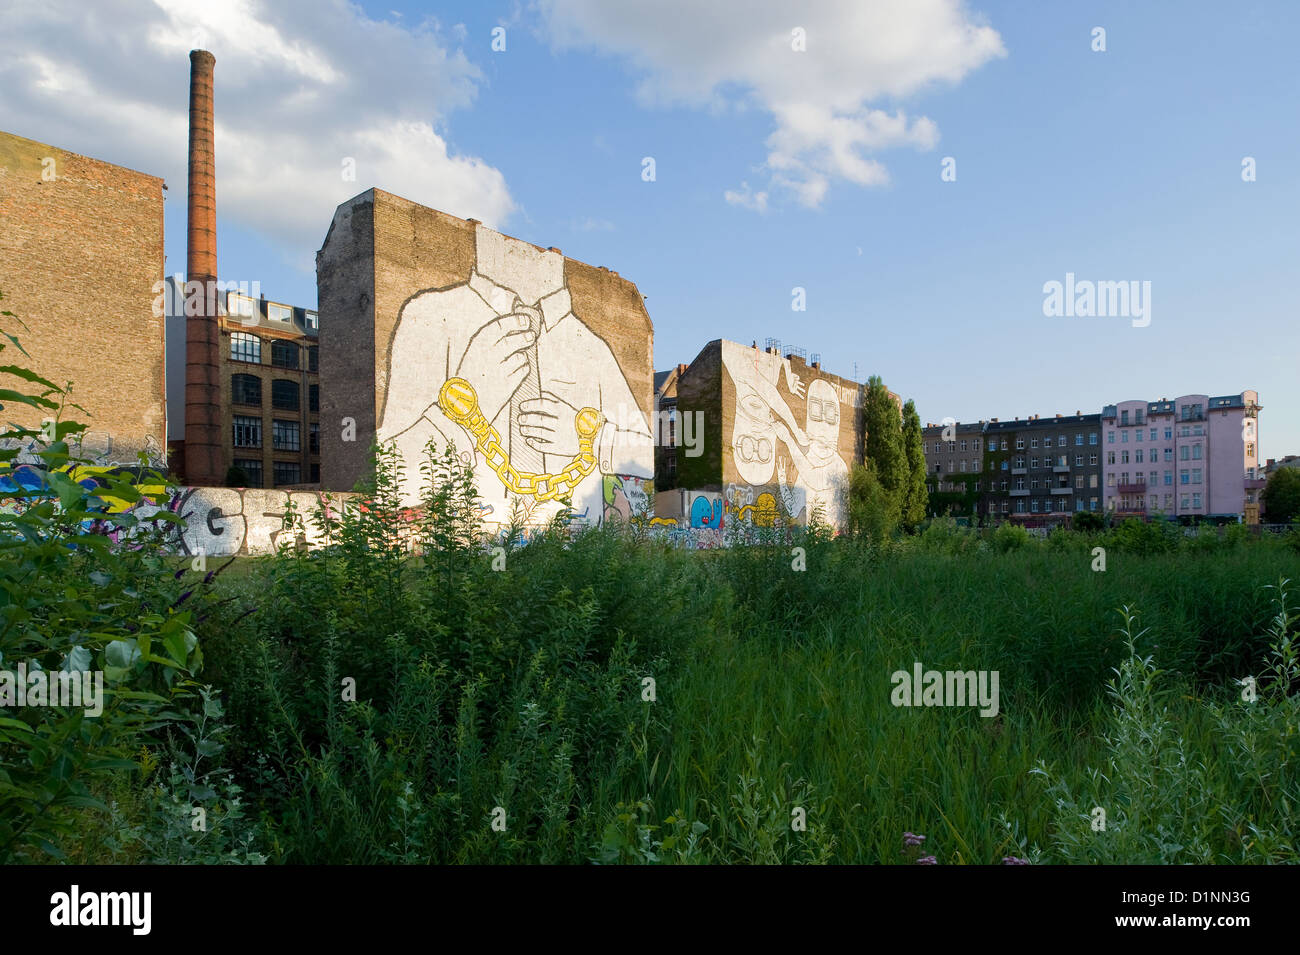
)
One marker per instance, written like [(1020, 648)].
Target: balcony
[(1019, 492), (1255, 484), (1139, 488), (1060, 469), (1062, 490), (1131, 510), (1020, 470)]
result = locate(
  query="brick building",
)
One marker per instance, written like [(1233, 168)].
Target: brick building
[(269, 378), (81, 264), (778, 435), (954, 468)]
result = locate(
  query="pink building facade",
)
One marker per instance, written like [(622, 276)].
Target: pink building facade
[(1195, 456)]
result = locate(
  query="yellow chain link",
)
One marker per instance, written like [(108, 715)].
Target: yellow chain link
[(459, 402)]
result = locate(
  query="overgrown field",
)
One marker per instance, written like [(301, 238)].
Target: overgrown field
[(605, 698)]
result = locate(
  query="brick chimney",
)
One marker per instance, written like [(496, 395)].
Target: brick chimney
[(204, 455)]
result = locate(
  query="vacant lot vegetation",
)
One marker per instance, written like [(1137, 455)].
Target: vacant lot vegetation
[(603, 698)]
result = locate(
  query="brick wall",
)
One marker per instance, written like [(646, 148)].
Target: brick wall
[(80, 254)]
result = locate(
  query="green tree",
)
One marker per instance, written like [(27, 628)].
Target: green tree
[(883, 441), (1281, 496), (874, 511), (917, 498)]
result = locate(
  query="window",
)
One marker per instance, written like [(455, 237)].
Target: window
[(1169, 434), (1078, 460), (952, 446), (278, 313), (248, 431), (1033, 505), (963, 445), (1196, 452), (1138, 434), (313, 358), (1092, 480), (246, 390), (1169, 454), (1110, 479), (1033, 463), (315, 472), (1123, 457), (1004, 444), (1033, 485), (1196, 501), (1092, 503), (1078, 482), (1184, 476), (284, 354), (1110, 457), (1110, 437), (1020, 444), (1063, 461), (285, 437), (1020, 461), (1123, 417), (314, 446), (1004, 464), (1184, 453), (1153, 434), (1092, 460), (1138, 456), (1060, 441), (1123, 437), (1092, 438), (1020, 506), (1169, 478), (1154, 479), (1196, 475), (251, 468), (1184, 502), (311, 319), (313, 403), (1250, 450), (245, 347), (1033, 442), (241, 305), (977, 444), (963, 465), (284, 394), (975, 465), (1020, 484), (1078, 440), (287, 472)]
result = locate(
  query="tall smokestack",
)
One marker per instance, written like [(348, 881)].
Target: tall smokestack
[(203, 445)]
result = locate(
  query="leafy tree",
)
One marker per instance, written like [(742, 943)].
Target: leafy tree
[(874, 511), (1281, 496), (883, 441), (916, 499), (236, 477)]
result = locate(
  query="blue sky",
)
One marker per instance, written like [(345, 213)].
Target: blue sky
[(1115, 165)]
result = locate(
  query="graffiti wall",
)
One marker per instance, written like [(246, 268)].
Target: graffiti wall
[(790, 439), (536, 368)]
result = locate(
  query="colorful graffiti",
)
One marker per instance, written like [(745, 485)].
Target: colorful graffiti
[(627, 497)]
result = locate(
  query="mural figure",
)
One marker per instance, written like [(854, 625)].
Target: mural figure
[(822, 471), (758, 406), (628, 496), (501, 366)]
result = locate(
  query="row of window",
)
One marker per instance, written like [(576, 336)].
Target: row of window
[(286, 393), (248, 348), (1185, 476), (1045, 506), (283, 472), (1061, 442), (243, 305), (285, 435), (1186, 431)]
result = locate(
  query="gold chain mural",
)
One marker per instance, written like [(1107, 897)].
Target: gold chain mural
[(459, 402)]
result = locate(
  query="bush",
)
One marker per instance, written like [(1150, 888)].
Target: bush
[(1009, 537)]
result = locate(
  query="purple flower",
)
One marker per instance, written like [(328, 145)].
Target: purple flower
[(1013, 860), (912, 839), (927, 860)]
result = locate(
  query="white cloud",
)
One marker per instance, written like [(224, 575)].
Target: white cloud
[(746, 198), (300, 85), (737, 54)]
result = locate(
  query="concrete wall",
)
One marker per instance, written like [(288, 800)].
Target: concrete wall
[(81, 251), (546, 361)]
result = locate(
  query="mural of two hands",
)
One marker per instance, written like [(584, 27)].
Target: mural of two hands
[(499, 361)]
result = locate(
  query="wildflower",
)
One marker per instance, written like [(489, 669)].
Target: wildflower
[(927, 860), (912, 839), (1014, 860)]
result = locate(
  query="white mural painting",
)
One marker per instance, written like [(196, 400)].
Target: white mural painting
[(770, 445), (531, 397)]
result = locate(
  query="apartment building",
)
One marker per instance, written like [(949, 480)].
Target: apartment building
[(1193, 457), (954, 466), (1041, 470), (665, 427)]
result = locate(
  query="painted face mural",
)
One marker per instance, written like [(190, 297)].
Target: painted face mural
[(795, 455), (533, 399)]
